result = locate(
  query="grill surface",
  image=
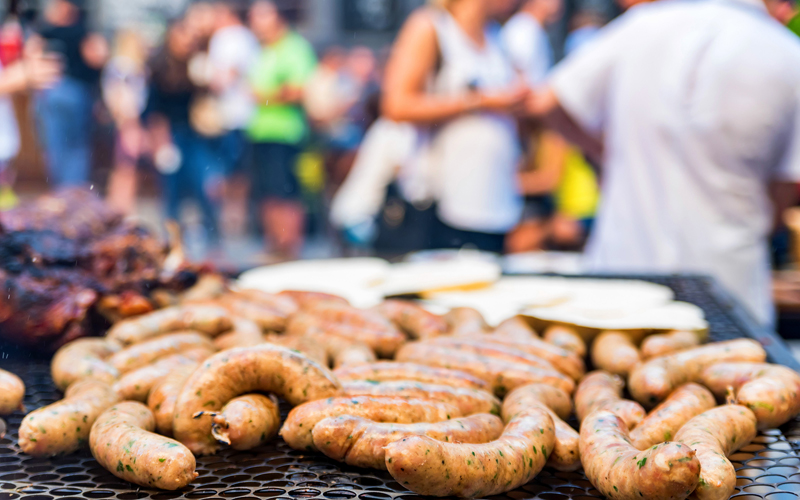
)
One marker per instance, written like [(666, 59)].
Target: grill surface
[(769, 468)]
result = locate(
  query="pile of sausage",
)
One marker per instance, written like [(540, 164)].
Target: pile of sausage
[(446, 404)]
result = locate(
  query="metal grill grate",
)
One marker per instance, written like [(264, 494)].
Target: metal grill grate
[(769, 468)]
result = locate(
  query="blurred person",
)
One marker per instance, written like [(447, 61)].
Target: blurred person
[(232, 51), (279, 127), (585, 26), (525, 38), (34, 72), (698, 108), (65, 110), (183, 157), (472, 150), (124, 89)]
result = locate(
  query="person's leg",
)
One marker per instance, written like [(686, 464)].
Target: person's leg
[(49, 113), (66, 127), (203, 176), (283, 213)]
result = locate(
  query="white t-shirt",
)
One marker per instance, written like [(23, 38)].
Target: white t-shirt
[(699, 104), (526, 42), (231, 52), (9, 133), (473, 159)]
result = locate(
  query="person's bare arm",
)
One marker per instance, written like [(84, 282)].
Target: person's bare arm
[(33, 72), (545, 105), (552, 156)]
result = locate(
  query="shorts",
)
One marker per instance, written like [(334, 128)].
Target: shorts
[(272, 167)]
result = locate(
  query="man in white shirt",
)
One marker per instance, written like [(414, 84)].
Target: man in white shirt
[(698, 106), (525, 39)]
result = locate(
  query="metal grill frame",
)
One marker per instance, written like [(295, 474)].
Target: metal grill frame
[(769, 468)]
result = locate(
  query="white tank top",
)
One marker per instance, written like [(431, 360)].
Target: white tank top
[(474, 157)]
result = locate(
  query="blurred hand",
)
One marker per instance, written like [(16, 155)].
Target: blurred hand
[(509, 101), (541, 102), (95, 51), (42, 71)]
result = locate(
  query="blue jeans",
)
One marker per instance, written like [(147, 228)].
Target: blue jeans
[(65, 123), (200, 167)]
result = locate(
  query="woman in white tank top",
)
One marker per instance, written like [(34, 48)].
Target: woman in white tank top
[(448, 74)]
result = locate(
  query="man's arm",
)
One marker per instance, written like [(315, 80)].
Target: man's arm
[(546, 106), (784, 196), (33, 72)]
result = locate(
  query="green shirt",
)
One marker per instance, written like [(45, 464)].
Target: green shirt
[(290, 61)]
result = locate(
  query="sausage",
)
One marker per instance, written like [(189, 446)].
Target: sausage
[(503, 376), (565, 361), (263, 368), (619, 471), (121, 441), (413, 319), (663, 422), (361, 442), (208, 287), (466, 322), (204, 318), (387, 370), (136, 385), (614, 352), (245, 333), (84, 358), (367, 327), (246, 422), (714, 435), (468, 401), (566, 455), (12, 392), (521, 398), (667, 343), (164, 395), (339, 351), (144, 353), (309, 299), (430, 467), (772, 392), (63, 427), (297, 428), (269, 315), (515, 328), (566, 338), (656, 378), (473, 346), (285, 306), (302, 344), (601, 390)]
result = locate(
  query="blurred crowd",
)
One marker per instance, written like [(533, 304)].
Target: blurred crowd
[(460, 135)]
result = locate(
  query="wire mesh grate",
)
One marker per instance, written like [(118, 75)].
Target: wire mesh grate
[(767, 469)]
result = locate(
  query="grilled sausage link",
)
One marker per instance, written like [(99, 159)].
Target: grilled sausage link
[(144, 353), (667, 343), (413, 319), (12, 391), (515, 328), (465, 322), (600, 390), (468, 401), (714, 435), (121, 441), (164, 395), (270, 312), (361, 442), (566, 338), (245, 333), (263, 368), (434, 468), (615, 352), (84, 358), (566, 454), (667, 471), (663, 422), (137, 384), (297, 428), (566, 362), (502, 375), (246, 422), (772, 392), (656, 378), (63, 427), (387, 370), (205, 318)]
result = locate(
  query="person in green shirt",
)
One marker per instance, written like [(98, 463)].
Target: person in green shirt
[(279, 127)]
